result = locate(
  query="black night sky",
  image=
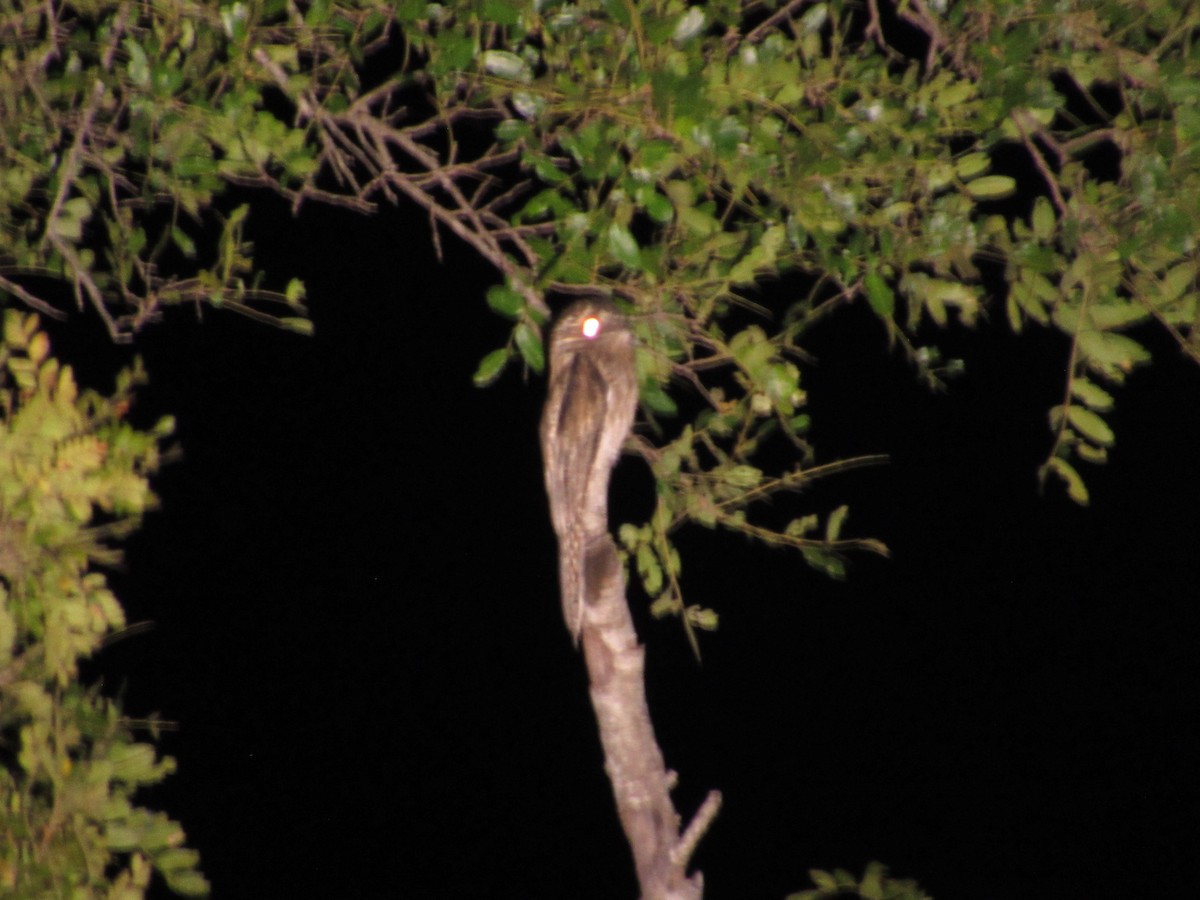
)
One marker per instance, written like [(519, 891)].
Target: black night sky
[(352, 579)]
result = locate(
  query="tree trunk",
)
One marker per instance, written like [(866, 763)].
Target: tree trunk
[(633, 760)]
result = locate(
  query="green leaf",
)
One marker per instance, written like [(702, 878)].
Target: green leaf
[(455, 52), (502, 12), (955, 94), (1043, 219), (704, 619), (176, 858), (410, 10), (188, 884), (825, 561), (649, 569), (823, 879), (1076, 489), (185, 244), (689, 25), (513, 129), (743, 476), (879, 295), (1175, 282), (490, 367), (545, 168), (1116, 314), (655, 399), (15, 335), (1112, 355), (504, 64), (121, 838), (659, 208), (134, 763), (71, 216), (623, 246), (294, 292), (992, 187), (1090, 425), (529, 342), (1091, 395), (138, 67), (39, 347), (833, 528), (629, 535), (504, 300), (298, 324), (972, 165)]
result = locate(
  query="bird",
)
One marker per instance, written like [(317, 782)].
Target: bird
[(590, 406)]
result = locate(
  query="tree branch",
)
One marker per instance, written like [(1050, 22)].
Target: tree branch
[(70, 166), (633, 760), (30, 299)]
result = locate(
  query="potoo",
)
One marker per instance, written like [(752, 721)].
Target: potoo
[(590, 407)]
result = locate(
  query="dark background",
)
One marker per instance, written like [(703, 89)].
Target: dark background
[(352, 579)]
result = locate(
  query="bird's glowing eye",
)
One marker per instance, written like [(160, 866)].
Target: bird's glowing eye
[(590, 327)]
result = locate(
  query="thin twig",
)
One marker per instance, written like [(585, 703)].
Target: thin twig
[(760, 30), (682, 852), (83, 282), (1039, 163), (923, 21), (70, 166), (30, 300)]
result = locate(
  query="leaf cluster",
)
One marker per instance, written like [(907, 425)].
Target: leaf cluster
[(731, 173), (73, 477), (121, 125), (876, 884), (687, 156)]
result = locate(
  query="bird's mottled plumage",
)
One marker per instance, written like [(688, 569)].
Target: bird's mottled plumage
[(590, 407)]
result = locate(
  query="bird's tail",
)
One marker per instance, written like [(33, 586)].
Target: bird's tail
[(570, 575)]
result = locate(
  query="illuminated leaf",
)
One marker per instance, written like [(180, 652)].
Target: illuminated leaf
[(529, 342), (1090, 425), (297, 324), (833, 528), (294, 293), (505, 300), (879, 295), (1076, 489), (1092, 396), (1043, 219), (972, 165), (185, 244), (623, 246), (992, 187), (1112, 355), (490, 367)]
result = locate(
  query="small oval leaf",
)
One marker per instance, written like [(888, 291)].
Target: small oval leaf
[(490, 367), (879, 295), (1090, 425), (529, 342), (992, 187), (624, 246), (505, 300)]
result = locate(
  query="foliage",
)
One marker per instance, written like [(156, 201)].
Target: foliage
[(875, 885), (731, 173), (118, 129), (73, 476)]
